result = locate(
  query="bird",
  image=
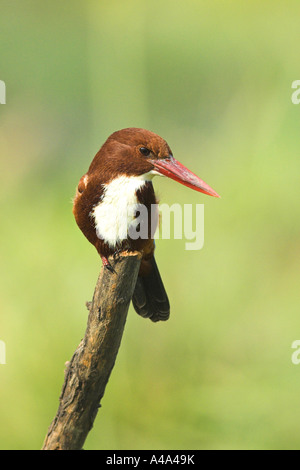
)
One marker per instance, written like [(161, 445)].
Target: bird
[(108, 198)]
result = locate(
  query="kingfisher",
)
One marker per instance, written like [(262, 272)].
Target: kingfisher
[(108, 200)]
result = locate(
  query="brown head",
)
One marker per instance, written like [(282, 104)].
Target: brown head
[(122, 153), (134, 152)]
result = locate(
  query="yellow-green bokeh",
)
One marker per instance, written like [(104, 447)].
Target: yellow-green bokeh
[(214, 79)]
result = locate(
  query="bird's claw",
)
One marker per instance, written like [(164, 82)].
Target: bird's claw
[(116, 254), (107, 265), (110, 268)]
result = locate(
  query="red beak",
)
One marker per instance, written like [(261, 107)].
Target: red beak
[(178, 172)]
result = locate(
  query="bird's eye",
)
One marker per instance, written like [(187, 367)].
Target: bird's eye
[(144, 151)]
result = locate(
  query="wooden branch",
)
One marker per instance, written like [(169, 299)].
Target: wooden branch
[(88, 371)]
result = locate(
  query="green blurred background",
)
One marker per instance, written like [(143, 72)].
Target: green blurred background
[(214, 79)]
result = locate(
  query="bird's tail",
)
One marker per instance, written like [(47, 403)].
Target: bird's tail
[(150, 299)]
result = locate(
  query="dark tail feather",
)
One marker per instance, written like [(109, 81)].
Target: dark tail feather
[(150, 299)]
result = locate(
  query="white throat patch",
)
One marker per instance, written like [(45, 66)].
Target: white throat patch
[(115, 213)]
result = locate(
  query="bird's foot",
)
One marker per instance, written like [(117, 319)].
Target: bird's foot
[(116, 254), (107, 264)]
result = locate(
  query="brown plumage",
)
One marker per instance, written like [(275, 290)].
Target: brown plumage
[(121, 175)]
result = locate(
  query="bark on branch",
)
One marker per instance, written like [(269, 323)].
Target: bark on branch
[(89, 369)]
